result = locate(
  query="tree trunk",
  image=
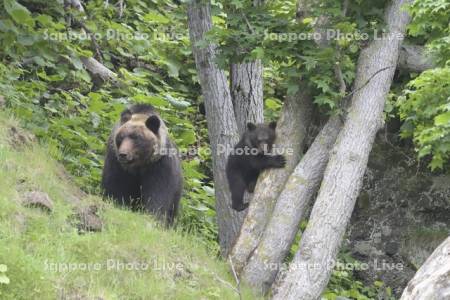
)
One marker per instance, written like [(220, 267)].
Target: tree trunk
[(247, 96), (413, 58), (432, 281), (311, 268), (222, 127), (247, 93), (291, 133), (246, 81), (263, 266)]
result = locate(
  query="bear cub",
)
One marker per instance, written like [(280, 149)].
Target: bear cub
[(142, 166), (250, 156)]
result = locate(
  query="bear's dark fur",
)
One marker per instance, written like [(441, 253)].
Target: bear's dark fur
[(142, 167), (243, 168)]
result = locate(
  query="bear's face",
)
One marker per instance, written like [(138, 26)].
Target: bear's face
[(137, 139), (261, 136)]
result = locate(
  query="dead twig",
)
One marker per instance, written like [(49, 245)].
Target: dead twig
[(238, 282)]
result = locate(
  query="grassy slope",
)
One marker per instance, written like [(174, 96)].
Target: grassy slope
[(179, 267)]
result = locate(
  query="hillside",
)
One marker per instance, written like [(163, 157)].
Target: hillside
[(49, 255)]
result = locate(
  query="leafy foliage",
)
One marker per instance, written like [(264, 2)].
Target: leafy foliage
[(270, 32), (425, 103), (343, 283), (430, 22), (3, 278), (425, 107)]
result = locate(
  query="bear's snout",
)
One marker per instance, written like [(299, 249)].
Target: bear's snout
[(125, 157), (125, 152)]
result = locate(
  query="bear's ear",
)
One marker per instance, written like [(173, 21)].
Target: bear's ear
[(153, 123), (273, 125), (251, 126), (125, 116)]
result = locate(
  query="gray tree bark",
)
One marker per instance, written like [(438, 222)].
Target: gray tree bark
[(247, 93), (222, 127), (76, 4), (311, 267), (413, 58), (95, 68), (303, 183), (246, 81), (432, 281), (291, 132)]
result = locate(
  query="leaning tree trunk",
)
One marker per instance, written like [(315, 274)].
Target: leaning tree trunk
[(222, 127), (311, 267), (413, 58), (432, 281), (263, 266), (291, 132)]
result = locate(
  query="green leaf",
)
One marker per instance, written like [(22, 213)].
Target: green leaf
[(437, 162), (4, 279), (272, 103), (443, 119), (178, 103), (3, 268), (188, 137), (154, 100), (18, 12), (257, 53), (173, 68), (38, 60), (153, 17)]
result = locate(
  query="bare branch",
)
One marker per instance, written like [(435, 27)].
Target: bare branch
[(97, 69)]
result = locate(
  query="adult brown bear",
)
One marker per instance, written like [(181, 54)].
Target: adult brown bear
[(142, 167)]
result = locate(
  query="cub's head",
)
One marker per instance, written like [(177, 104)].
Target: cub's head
[(261, 136), (137, 139)]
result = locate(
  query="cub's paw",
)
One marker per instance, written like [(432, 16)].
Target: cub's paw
[(239, 207), (251, 187), (279, 161)]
